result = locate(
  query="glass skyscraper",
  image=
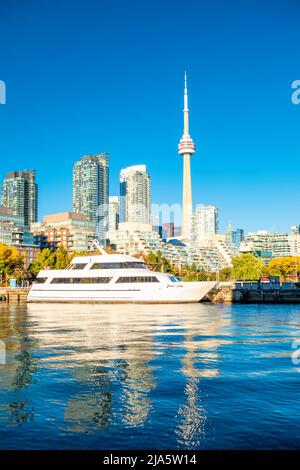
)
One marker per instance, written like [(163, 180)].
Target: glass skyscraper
[(20, 193), (91, 189), (205, 221), (135, 195)]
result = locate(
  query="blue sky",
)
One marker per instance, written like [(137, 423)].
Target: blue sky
[(95, 76)]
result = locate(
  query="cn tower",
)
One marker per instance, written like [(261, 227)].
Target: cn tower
[(186, 148)]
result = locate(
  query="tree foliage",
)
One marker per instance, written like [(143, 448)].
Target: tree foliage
[(11, 260), (284, 267), (225, 274), (47, 259), (247, 267)]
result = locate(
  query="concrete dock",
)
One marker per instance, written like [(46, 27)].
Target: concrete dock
[(14, 295), (254, 293)]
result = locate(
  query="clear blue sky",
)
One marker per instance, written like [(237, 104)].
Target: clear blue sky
[(90, 76)]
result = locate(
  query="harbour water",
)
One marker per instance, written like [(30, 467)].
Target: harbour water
[(198, 376)]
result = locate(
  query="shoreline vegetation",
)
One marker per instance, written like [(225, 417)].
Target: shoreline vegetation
[(245, 267)]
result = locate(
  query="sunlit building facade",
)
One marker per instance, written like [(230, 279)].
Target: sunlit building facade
[(135, 195), (205, 221), (113, 213), (91, 189), (276, 243), (66, 229), (20, 193)]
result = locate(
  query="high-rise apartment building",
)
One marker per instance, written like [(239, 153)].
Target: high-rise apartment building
[(91, 189), (113, 213), (135, 195), (205, 221), (20, 193)]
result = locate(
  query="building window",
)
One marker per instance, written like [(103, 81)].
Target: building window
[(123, 265), (81, 280), (137, 279), (40, 280), (78, 266)]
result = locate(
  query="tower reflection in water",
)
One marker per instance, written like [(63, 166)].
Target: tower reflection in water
[(17, 374), (114, 354)]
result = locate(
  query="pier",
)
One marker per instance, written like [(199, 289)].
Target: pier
[(13, 295), (254, 293)]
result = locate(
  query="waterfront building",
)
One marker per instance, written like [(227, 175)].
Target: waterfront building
[(91, 189), (135, 195), (20, 193), (217, 243), (186, 148), (205, 221), (295, 230), (14, 232), (113, 213), (294, 243), (11, 224), (70, 230), (211, 255), (263, 241)]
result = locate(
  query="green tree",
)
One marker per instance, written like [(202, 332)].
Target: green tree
[(193, 274), (45, 259), (247, 267), (225, 274), (157, 262)]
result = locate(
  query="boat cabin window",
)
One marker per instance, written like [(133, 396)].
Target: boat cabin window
[(127, 279), (40, 280), (174, 279), (78, 266), (120, 265), (81, 280)]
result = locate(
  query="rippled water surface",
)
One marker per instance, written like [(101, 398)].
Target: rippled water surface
[(139, 376)]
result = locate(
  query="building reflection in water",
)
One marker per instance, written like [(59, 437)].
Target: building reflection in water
[(111, 352), (20, 366), (201, 360)]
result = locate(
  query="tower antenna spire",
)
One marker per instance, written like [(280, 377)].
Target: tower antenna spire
[(186, 148), (186, 107)]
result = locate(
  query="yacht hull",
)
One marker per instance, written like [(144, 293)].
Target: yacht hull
[(183, 292)]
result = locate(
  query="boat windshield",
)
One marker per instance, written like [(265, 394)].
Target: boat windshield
[(175, 278), (77, 266)]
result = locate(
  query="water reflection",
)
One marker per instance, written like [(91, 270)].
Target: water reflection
[(114, 355), (202, 359), (18, 372)]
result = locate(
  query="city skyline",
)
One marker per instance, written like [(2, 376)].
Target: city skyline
[(244, 122)]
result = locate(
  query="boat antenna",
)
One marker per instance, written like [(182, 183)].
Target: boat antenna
[(97, 246)]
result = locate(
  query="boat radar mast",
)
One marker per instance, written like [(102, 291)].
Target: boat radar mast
[(95, 245)]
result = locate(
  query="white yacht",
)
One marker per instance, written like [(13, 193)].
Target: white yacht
[(113, 278)]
